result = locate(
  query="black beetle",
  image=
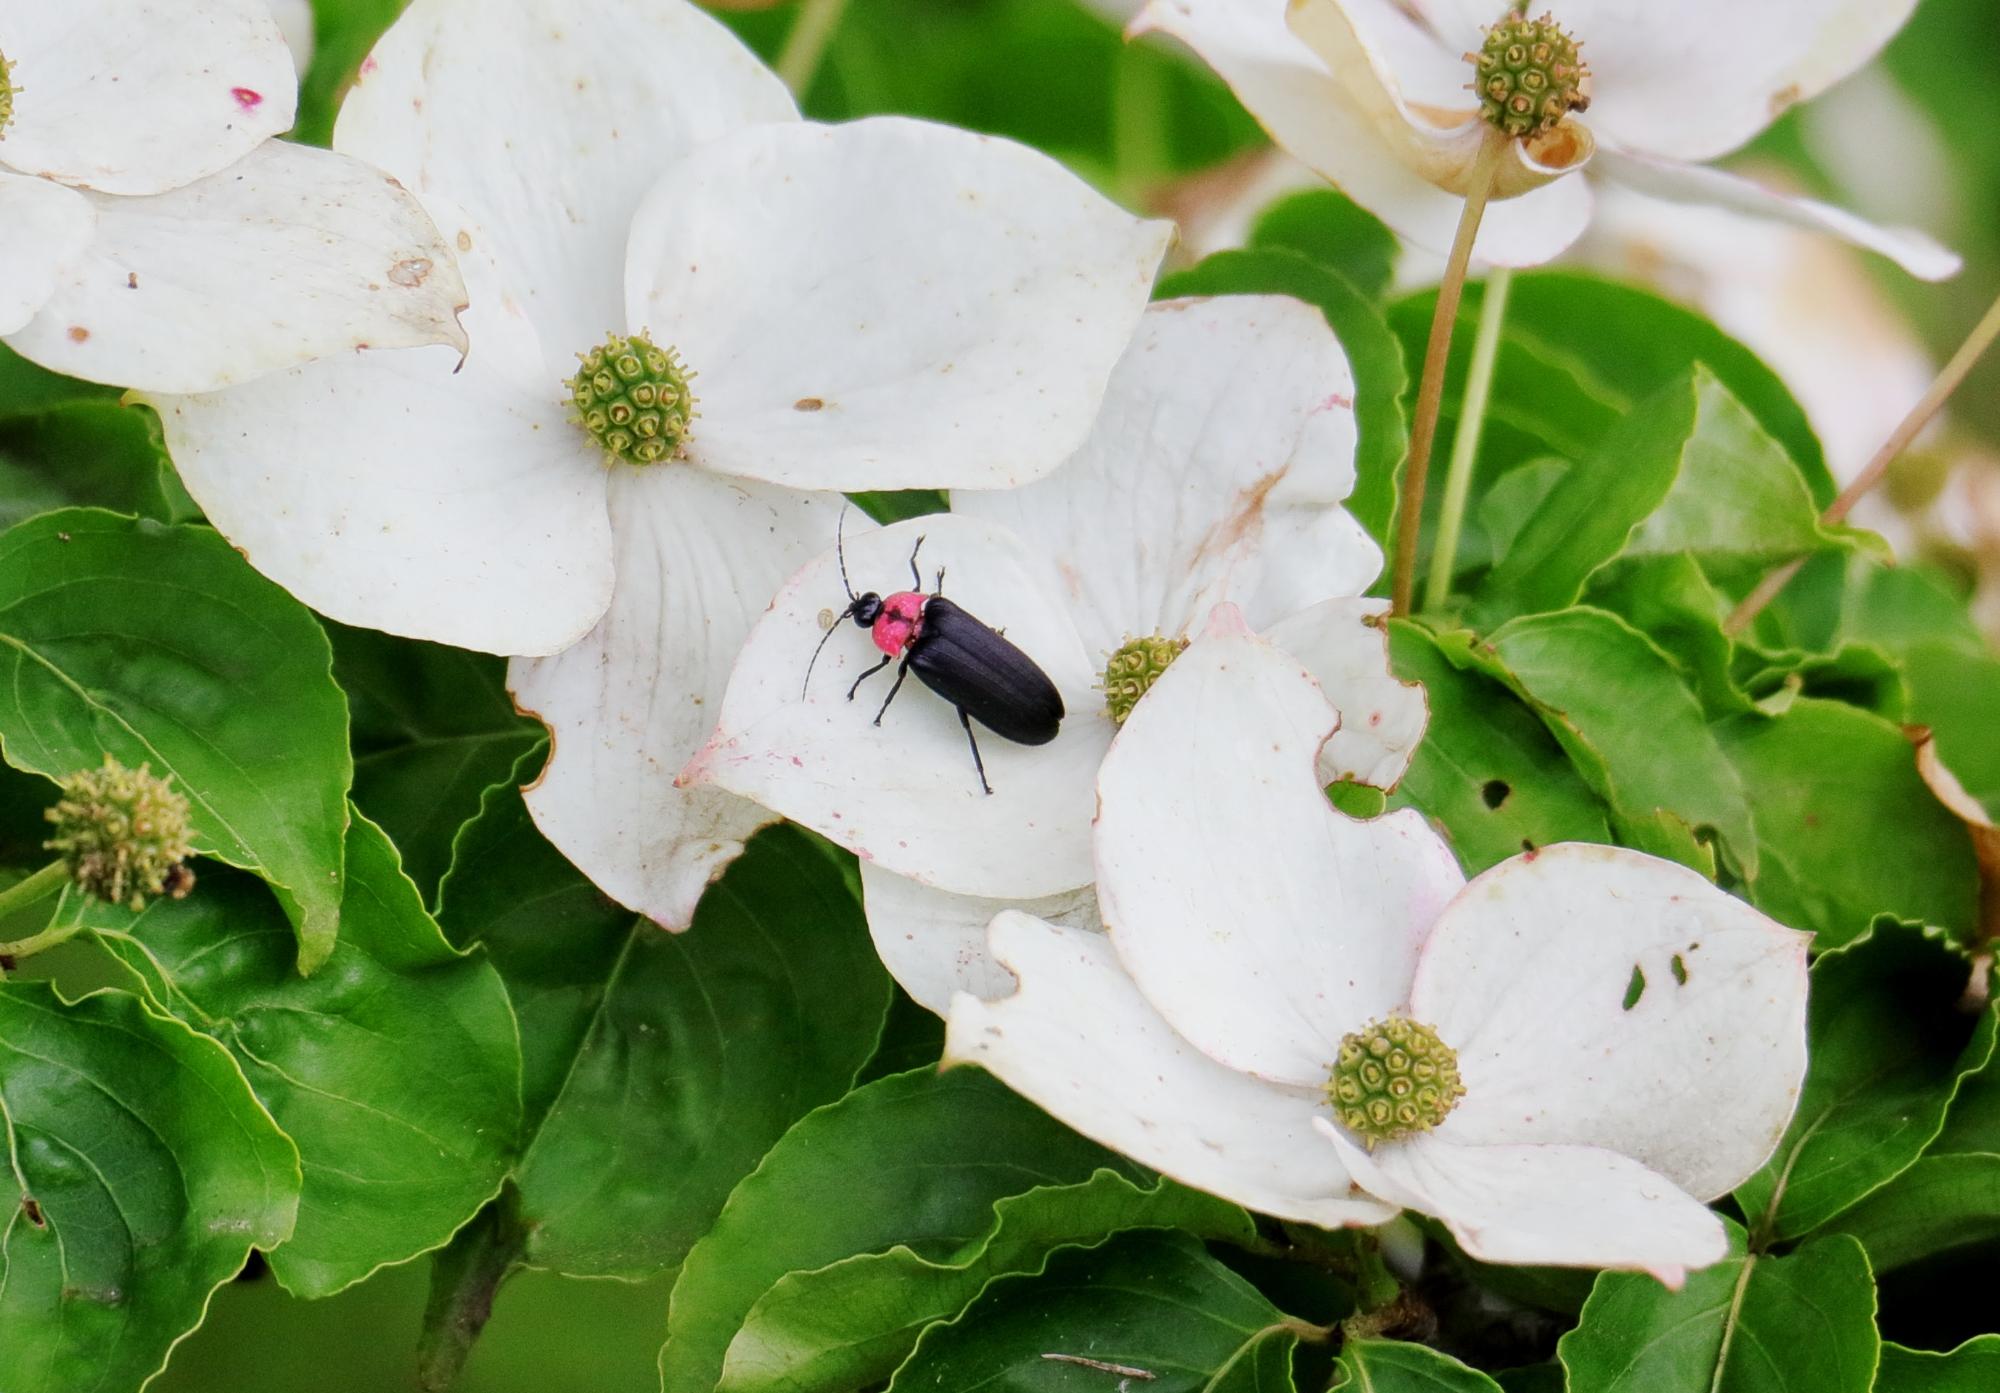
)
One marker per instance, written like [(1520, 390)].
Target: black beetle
[(963, 660)]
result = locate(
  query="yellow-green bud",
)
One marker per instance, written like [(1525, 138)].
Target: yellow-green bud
[(6, 93), (633, 398), (1529, 74), (1134, 668), (124, 834), (1394, 1078)]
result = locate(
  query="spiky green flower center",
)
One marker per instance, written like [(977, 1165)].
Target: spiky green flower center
[(124, 834), (1134, 668), (633, 398), (6, 93), (1394, 1078), (1530, 74)]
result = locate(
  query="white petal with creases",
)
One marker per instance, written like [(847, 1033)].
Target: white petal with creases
[(888, 303), (1215, 472), (394, 491), (1261, 922), (1290, 92), (1526, 975), (904, 794), (934, 942), (625, 707), (291, 255), (1916, 252), (48, 228), (1562, 1206), (547, 121), (142, 96), (1079, 1040), (1344, 645)]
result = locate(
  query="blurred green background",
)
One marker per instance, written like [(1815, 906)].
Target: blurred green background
[(1055, 73)]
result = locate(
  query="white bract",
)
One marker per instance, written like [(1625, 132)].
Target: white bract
[(1216, 471), (885, 304), (153, 234), (1630, 1040), (1376, 95)]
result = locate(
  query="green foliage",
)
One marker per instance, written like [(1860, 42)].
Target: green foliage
[(1887, 1052), (1389, 1366), (845, 1184), (1146, 1306), (1801, 1323), (394, 1068), (160, 645), (658, 1068), (143, 1173)]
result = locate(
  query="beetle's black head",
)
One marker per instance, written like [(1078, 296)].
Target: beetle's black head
[(866, 609)]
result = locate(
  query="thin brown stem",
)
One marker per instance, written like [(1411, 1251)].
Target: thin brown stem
[(1430, 390), (1948, 381)]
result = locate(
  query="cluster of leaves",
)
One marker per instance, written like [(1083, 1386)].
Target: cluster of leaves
[(395, 1021)]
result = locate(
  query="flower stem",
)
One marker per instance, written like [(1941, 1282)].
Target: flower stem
[(1430, 391), (1465, 443), (806, 44), (1948, 381)]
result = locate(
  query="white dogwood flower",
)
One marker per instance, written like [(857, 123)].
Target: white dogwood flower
[(1560, 1060), (1383, 98), (153, 234), (1216, 471), (765, 310)]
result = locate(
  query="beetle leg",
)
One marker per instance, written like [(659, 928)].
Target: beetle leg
[(901, 673), (916, 576), (938, 588), (977, 762), (866, 675)]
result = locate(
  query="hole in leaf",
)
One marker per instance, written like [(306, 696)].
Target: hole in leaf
[(1680, 970), (1636, 988), (33, 1209), (1494, 792)]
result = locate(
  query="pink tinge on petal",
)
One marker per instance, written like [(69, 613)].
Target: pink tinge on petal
[(247, 97)]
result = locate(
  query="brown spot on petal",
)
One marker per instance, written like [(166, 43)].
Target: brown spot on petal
[(809, 404), (78, 334), (1784, 99), (464, 240), (411, 273)]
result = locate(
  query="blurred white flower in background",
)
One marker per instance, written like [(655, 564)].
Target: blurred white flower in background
[(1560, 1060), (1376, 95), (153, 233)]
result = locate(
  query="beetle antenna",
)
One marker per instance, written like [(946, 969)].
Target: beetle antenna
[(840, 552), (831, 630)]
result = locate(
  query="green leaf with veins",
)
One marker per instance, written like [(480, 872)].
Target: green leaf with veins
[(1688, 473), (1802, 1323), (88, 454), (142, 1173), (159, 645), (1329, 228), (915, 1163), (1888, 1049), (851, 1322), (1151, 1311), (433, 728), (1623, 712), (1974, 1367), (1846, 828), (1391, 1366), (395, 1068), (1488, 774), (658, 1068)]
